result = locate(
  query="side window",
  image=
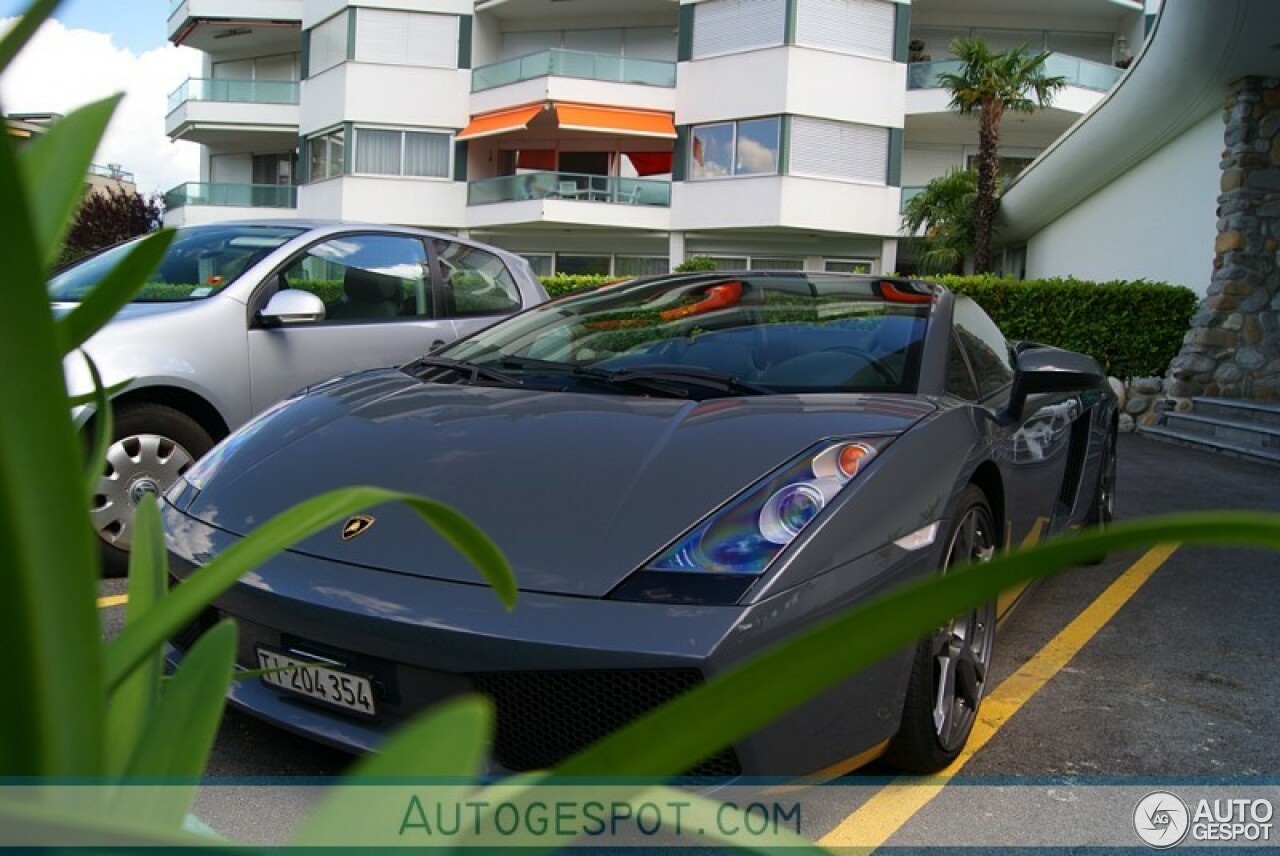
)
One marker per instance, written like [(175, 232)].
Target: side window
[(476, 282), (365, 277), (959, 378), (984, 345)]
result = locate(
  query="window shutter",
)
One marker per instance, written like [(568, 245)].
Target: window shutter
[(729, 26), (839, 150), (864, 27)]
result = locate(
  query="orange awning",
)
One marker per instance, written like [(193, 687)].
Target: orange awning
[(501, 122), (615, 120)]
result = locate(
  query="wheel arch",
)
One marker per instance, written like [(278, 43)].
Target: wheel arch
[(184, 401), (987, 478)]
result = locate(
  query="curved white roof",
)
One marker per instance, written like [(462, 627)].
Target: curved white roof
[(1196, 49)]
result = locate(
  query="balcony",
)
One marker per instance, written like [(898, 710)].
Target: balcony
[(245, 113), (569, 186), (233, 90), (1082, 73), (253, 27), (578, 64), (201, 193), (909, 193)]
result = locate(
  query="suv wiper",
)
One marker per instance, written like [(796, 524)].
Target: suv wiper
[(473, 372)]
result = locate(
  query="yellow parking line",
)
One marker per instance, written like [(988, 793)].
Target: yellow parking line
[(113, 600), (876, 820)]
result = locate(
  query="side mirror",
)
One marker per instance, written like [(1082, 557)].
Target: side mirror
[(292, 306), (1045, 369)]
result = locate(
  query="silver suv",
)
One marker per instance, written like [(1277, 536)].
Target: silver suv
[(240, 314)]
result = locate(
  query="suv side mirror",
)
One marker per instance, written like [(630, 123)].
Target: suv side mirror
[(1046, 369), (292, 306)]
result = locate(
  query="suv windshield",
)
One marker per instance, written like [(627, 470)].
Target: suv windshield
[(201, 261), (715, 334)]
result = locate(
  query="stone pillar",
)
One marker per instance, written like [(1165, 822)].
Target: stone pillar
[(1233, 347)]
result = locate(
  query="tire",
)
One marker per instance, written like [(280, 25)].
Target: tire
[(1102, 508), (151, 446), (949, 673)]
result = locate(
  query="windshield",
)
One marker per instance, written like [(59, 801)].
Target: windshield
[(726, 334), (201, 261)]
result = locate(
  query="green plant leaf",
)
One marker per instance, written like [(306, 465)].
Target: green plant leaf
[(185, 601), (100, 439), (180, 732), (55, 164), (23, 29), (92, 397), (113, 291), (49, 629), (727, 708), (449, 742), (130, 707)]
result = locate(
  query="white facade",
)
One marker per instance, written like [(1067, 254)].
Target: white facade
[(1143, 225), (777, 133), (1131, 192)]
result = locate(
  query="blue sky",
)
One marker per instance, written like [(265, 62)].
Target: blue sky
[(95, 48), (137, 25)]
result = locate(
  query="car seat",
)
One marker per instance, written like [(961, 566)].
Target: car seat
[(368, 295)]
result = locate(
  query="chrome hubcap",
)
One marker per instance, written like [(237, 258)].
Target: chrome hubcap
[(137, 465), (962, 649)]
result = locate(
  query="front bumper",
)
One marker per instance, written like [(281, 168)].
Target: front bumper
[(562, 671)]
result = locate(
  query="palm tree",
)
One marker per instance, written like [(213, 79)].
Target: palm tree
[(945, 210), (989, 84)]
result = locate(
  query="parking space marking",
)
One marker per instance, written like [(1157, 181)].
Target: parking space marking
[(889, 809), (112, 600)]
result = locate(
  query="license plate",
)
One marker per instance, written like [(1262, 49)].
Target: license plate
[(318, 681)]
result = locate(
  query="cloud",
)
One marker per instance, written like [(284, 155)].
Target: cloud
[(61, 69)]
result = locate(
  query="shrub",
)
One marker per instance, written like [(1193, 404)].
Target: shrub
[(695, 263), (1132, 328), (565, 283)]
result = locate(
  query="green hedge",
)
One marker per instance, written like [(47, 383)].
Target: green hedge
[(1132, 328)]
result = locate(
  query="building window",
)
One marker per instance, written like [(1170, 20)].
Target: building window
[(748, 147), (541, 263), (864, 27), (847, 265), (1010, 167), (325, 155), (410, 153), (730, 26), (406, 38), (776, 263), (842, 150), (640, 265), (575, 264), (328, 44)]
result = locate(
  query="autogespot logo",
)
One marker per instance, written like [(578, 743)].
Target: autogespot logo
[(1161, 819)]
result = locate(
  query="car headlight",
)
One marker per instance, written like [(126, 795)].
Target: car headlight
[(745, 536)]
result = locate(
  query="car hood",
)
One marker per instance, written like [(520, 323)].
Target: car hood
[(578, 490)]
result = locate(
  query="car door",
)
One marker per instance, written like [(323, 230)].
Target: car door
[(476, 287), (380, 309), (1036, 447)]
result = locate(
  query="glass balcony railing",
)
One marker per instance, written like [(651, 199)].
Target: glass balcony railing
[(250, 91), (1084, 73), (568, 185), (560, 63), (244, 195), (909, 193)]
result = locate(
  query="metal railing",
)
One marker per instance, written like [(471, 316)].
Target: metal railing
[(562, 63), (572, 186), (230, 89), (244, 195), (113, 172), (1084, 73)]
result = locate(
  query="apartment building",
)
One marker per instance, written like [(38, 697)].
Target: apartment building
[(613, 136)]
